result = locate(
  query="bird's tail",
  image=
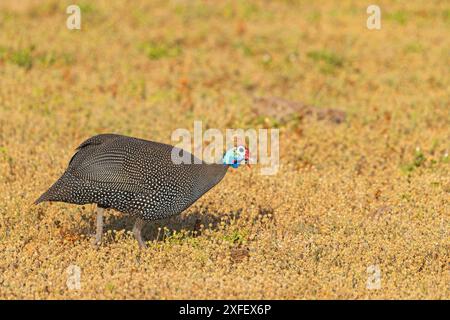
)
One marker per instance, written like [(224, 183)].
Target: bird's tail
[(55, 192)]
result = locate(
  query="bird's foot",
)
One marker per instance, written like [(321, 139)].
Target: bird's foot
[(96, 241), (137, 228), (142, 245)]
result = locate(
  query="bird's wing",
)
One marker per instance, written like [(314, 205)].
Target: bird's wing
[(103, 159), (92, 142)]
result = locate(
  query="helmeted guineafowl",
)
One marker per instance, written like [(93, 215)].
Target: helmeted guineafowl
[(137, 177)]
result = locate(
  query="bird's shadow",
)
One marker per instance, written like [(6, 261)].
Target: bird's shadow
[(193, 222)]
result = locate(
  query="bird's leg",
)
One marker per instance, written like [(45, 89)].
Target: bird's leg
[(138, 225), (99, 226)]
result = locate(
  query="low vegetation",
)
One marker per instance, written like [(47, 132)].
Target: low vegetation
[(371, 189)]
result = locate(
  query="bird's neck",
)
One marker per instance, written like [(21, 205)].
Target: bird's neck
[(214, 174), (217, 170)]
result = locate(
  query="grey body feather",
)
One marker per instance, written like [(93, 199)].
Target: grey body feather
[(133, 176)]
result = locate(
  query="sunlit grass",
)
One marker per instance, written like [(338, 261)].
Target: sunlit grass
[(371, 188)]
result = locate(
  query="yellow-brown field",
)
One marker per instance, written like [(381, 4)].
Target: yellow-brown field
[(371, 191)]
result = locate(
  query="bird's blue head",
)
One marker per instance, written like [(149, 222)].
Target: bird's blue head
[(235, 156)]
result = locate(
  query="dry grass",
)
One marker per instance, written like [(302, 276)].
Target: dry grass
[(373, 190)]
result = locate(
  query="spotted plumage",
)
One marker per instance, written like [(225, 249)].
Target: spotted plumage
[(134, 176)]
